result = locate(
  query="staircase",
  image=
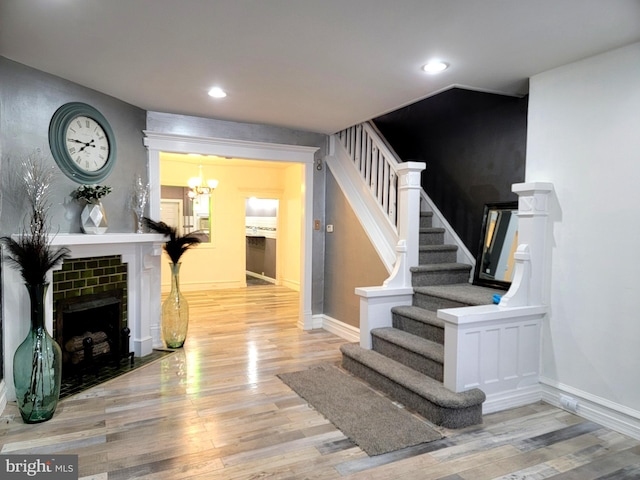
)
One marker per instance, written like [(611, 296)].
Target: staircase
[(407, 360)]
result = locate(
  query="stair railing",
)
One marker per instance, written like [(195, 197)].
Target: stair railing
[(396, 188), (376, 163)]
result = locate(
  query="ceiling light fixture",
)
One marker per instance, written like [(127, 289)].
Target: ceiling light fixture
[(435, 67), (197, 188), (217, 92)]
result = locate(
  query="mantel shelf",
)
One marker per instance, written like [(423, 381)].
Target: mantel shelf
[(104, 239)]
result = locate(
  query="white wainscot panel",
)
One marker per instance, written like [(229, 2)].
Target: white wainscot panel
[(493, 348)]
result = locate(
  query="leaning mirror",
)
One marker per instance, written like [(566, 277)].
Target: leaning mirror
[(498, 242)]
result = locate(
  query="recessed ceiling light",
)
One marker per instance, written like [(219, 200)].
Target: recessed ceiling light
[(217, 92), (435, 67)]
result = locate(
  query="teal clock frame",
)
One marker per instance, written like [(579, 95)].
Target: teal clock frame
[(57, 136)]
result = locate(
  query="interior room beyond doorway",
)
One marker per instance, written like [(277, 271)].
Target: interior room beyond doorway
[(261, 230), (220, 261)]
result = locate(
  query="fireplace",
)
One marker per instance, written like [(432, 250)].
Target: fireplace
[(91, 331), (138, 254), (89, 311)]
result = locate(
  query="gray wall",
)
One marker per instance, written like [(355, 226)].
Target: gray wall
[(28, 99), (350, 259)]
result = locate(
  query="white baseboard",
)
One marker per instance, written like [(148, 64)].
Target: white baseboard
[(599, 410), (341, 329), (197, 287), (293, 285), (261, 277), (317, 321), (512, 399)]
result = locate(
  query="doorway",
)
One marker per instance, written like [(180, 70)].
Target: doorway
[(171, 212), (261, 234), (175, 143)]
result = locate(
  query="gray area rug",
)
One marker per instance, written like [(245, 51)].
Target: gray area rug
[(369, 419)]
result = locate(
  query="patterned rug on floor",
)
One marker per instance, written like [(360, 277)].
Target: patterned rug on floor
[(369, 419)]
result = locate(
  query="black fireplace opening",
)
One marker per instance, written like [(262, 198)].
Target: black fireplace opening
[(91, 332)]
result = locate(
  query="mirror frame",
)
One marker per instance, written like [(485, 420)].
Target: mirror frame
[(477, 279)]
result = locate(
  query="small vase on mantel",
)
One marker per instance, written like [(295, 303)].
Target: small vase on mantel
[(37, 364), (175, 312), (93, 218)]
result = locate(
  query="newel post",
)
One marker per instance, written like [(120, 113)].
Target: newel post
[(409, 189), (533, 213), (408, 224), (376, 302)]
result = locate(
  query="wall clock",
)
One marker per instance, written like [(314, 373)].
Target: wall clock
[(82, 143)]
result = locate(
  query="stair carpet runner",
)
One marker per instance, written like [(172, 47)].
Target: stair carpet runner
[(407, 359)]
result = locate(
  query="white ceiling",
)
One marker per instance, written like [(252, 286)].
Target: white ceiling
[(317, 65)]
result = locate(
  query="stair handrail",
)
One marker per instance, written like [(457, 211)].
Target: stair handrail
[(396, 187), (377, 164)]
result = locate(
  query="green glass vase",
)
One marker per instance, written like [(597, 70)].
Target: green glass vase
[(37, 365), (175, 312)]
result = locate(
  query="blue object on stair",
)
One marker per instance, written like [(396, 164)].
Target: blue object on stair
[(496, 298)]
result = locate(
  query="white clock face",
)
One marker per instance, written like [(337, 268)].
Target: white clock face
[(87, 143)]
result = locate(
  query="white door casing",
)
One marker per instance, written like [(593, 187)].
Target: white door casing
[(163, 142)]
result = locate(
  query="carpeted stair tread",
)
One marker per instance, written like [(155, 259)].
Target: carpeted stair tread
[(419, 314), (431, 230), (462, 292), (439, 267), (425, 348), (440, 274), (439, 248), (426, 387), (418, 321), (426, 219)]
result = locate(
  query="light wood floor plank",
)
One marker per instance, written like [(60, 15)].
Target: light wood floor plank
[(217, 410)]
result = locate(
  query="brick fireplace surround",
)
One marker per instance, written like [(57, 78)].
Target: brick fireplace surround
[(139, 252)]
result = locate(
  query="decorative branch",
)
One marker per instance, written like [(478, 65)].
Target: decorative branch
[(32, 254), (139, 201)]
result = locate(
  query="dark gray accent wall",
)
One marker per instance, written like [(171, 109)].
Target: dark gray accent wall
[(474, 146), (28, 99), (350, 259)]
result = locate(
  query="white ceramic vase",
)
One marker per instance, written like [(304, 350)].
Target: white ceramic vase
[(93, 218)]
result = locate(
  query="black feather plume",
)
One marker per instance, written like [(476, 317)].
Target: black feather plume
[(33, 258), (177, 244)]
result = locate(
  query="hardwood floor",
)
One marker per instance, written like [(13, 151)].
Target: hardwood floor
[(217, 410)]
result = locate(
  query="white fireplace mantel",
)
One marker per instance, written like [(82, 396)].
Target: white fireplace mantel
[(141, 253)]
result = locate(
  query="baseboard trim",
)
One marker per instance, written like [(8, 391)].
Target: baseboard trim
[(293, 285), (512, 399), (341, 329), (599, 410), (261, 277), (196, 287)]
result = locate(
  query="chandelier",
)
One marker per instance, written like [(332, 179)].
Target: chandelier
[(198, 185)]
